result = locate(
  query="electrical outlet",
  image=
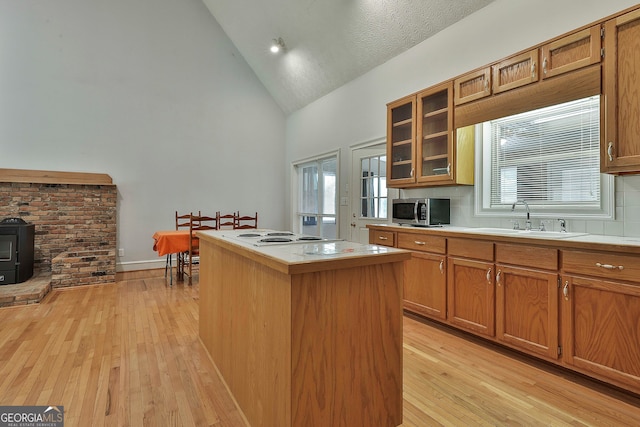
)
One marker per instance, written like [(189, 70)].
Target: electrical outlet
[(121, 252)]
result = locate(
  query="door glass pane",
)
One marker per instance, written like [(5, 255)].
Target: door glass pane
[(329, 186), (309, 196), (317, 210), (329, 229), (310, 225), (373, 187)]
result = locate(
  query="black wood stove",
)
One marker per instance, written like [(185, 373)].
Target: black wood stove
[(16, 250)]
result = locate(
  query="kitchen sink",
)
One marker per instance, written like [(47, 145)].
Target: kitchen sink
[(524, 233)]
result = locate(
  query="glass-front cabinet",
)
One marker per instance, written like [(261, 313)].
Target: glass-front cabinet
[(422, 149), (434, 129), (401, 149)]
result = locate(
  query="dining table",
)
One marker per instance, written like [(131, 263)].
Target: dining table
[(169, 242)]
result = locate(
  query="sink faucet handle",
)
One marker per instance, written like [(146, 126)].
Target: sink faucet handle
[(543, 227), (516, 224), (563, 225)]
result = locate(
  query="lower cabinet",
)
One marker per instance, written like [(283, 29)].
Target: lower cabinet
[(527, 309), (602, 329), (471, 299), (576, 307), (601, 316), (425, 274), (527, 298), (425, 285)]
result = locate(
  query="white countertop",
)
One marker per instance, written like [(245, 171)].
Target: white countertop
[(294, 257), (569, 238)]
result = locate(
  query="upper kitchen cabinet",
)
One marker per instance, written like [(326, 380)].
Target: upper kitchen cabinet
[(620, 123), (435, 139), (571, 52), (472, 86), (401, 147), (516, 71), (433, 154)]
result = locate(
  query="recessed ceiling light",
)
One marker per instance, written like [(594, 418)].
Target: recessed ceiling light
[(277, 45)]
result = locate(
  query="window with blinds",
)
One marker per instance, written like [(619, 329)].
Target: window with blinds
[(549, 157)]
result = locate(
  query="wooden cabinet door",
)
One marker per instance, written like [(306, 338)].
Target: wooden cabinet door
[(620, 123), (472, 86), (569, 53), (517, 71), (425, 285), (527, 309), (434, 142), (401, 147), (471, 295), (601, 329)]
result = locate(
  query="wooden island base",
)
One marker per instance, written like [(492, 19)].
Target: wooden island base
[(307, 348)]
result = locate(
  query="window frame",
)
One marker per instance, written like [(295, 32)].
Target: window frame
[(482, 192), (298, 216)]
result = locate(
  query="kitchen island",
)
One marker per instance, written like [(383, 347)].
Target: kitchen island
[(305, 334)]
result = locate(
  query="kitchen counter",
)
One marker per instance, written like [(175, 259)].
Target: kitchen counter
[(598, 242), (305, 334), (304, 257)]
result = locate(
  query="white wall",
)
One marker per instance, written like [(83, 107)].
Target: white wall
[(151, 92), (356, 112)]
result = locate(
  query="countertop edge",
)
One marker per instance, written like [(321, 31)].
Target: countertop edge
[(567, 243)]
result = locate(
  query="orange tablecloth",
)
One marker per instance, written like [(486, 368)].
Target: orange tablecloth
[(172, 241)]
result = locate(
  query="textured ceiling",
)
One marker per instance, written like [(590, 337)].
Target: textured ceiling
[(329, 42)]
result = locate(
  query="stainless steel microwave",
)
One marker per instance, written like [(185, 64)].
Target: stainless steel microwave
[(422, 212)]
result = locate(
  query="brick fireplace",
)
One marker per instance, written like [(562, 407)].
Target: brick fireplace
[(75, 222)]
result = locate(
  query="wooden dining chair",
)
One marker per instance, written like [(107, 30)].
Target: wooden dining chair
[(245, 221), (182, 221), (192, 256), (226, 220)]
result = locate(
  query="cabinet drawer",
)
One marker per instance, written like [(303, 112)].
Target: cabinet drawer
[(386, 238), (601, 264), (423, 243), (477, 249), (527, 256)]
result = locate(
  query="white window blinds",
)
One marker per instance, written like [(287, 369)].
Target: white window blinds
[(548, 156)]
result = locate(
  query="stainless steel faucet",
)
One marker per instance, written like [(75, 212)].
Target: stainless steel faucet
[(526, 205), (563, 225)]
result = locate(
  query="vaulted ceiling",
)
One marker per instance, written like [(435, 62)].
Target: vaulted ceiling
[(328, 42)]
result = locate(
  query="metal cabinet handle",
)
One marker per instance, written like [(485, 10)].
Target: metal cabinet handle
[(610, 267), (544, 66), (489, 276), (412, 169), (449, 169), (498, 277), (383, 238), (533, 70), (565, 290), (610, 151), (441, 266), (418, 242)]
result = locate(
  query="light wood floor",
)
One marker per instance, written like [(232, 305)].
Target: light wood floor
[(128, 354)]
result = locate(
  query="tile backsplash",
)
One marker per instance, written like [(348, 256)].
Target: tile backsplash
[(626, 222)]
